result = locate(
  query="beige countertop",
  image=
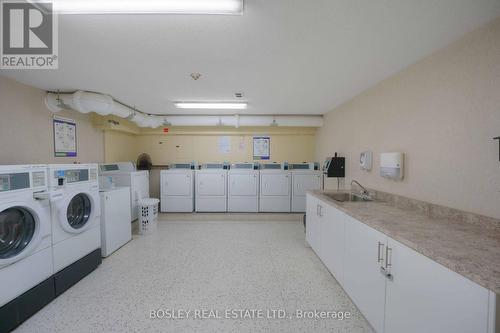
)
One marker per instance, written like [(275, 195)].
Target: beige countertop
[(469, 249)]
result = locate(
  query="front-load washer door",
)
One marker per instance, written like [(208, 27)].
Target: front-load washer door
[(77, 212), (19, 233)]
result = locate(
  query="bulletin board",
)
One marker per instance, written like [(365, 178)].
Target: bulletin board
[(64, 137), (261, 148)]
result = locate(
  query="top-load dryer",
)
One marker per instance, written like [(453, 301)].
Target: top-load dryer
[(243, 187), (177, 188), (305, 177), (123, 174), (211, 187), (26, 264), (275, 187)]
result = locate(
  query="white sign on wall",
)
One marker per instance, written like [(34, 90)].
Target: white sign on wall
[(261, 148), (64, 137)]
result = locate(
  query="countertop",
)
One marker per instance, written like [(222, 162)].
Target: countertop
[(469, 249)]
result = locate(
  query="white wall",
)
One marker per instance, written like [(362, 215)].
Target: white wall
[(443, 112), (26, 132)]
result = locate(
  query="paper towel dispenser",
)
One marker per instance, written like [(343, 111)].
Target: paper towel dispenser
[(365, 160), (391, 165)]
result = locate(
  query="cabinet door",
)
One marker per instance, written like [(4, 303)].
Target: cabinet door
[(312, 223), (424, 296), (333, 240), (364, 248)]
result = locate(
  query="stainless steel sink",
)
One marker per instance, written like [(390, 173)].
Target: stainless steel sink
[(343, 197)]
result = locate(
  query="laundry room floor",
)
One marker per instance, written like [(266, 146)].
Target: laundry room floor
[(205, 262)]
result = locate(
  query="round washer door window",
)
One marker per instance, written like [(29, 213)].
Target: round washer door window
[(17, 227), (79, 210)]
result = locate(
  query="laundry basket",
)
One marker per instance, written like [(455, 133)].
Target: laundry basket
[(148, 215)]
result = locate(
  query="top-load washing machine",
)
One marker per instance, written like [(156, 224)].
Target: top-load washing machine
[(76, 231), (275, 187), (305, 177), (177, 188), (26, 264), (243, 187), (211, 187), (123, 174)]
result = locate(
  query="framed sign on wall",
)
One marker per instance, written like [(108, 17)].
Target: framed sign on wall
[(64, 137), (261, 148)]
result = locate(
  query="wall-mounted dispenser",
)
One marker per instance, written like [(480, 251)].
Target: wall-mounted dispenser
[(366, 160), (391, 165), (334, 167)]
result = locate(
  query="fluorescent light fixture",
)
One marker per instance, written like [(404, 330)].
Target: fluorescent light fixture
[(148, 6), (213, 106)]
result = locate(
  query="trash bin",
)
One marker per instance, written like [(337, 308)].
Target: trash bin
[(148, 215)]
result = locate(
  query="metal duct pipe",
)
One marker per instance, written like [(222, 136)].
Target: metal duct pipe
[(104, 105)]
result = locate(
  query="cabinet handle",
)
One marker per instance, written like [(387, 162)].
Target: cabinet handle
[(388, 263), (317, 209), (388, 254), (380, 257), (320, 211)]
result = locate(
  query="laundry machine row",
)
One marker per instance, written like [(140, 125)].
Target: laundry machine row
[(239, 187), (49, 235)]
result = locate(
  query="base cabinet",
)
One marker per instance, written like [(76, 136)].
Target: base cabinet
[(424, 296), (396, 288), (326, 235), (363, 282)]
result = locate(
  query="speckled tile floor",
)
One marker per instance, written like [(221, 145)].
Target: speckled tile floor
[(204, 264)]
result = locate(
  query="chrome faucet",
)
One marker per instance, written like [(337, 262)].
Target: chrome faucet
[(364, 191)]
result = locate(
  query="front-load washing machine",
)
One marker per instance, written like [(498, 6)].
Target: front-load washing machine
[(177, 188), (123, 174), (243, 188), (211, 187), (275, 188), (26, 265), (76, 231), (305, 177)]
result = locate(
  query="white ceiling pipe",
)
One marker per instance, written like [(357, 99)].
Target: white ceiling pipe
[(86, 102)]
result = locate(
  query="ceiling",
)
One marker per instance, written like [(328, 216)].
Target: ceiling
[(286, 56)]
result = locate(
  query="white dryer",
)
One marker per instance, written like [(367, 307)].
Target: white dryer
[(123, 174), (211, 187), (275, 187), (305, 177), (243, 188), (177, 188), (76, 230), (26, 265)]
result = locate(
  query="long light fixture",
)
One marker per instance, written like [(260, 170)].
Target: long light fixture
[(211, 106), (233, 7)]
